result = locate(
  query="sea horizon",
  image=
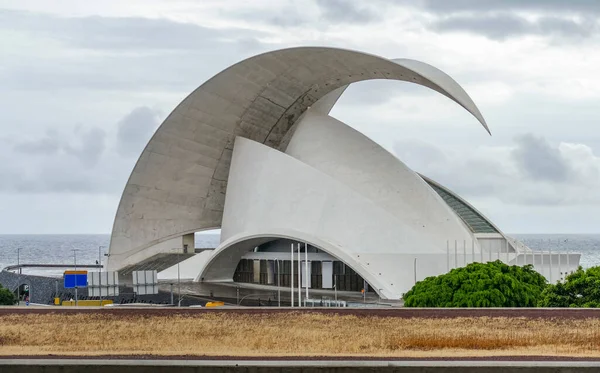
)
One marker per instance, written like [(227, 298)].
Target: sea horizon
[(66, 248)]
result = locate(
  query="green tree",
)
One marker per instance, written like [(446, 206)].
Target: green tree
[(492, 284), (7, 298), (580, 289)]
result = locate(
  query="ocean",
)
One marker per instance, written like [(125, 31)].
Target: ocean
[(58, 248)]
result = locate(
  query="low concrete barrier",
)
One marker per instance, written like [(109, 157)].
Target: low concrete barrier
[(86, 303), (230, 366)]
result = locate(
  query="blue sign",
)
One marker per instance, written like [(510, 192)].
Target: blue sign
[(75, 279)]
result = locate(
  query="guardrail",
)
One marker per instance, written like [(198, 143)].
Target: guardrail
[(21, 266)]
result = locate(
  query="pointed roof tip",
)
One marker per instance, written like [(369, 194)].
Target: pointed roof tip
[(484, 124), (487, 128), (444, 84)]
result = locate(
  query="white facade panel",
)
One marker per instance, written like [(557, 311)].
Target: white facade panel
[(327, 275), (306, 280), (270, 272)]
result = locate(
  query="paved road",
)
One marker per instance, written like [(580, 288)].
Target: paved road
[(314, 366)]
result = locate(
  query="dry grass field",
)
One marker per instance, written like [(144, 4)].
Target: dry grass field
[(294, 334)]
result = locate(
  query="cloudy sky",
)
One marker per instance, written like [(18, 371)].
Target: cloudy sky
[(84, 84)]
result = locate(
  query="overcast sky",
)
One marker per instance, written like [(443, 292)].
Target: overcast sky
[(83, 85)]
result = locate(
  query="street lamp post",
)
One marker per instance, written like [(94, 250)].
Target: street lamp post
[(19, 258), (178, 286), (19, 274), (415, 270), (278, 285), (75, 262), (100, 275), (335, 288)]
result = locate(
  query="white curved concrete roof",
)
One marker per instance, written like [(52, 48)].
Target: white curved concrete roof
[(178, 184), (343, 193)]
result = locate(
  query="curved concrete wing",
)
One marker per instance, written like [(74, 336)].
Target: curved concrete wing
[(272, 194), (444, 83), (353, 159), (178, 184)]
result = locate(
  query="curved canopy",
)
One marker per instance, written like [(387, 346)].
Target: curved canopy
[(178, 184)]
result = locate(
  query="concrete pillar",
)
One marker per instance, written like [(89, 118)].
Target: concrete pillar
[(188, 240)]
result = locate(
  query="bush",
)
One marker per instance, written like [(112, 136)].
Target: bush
[(580, 289), (7, 298), (492, 284)]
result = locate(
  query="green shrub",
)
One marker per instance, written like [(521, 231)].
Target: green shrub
[(7, 298), (580, 289), (492, 284)]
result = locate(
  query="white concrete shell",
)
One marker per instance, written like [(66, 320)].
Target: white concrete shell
[(178, 184), (341, 192)]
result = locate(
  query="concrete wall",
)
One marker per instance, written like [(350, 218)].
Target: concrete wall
[(172, 245), (191, 366), (188, 243), (553, 266), (41, 288)]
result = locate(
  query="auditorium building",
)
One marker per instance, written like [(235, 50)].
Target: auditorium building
[(254, 152)]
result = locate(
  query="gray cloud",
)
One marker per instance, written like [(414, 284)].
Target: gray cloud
[(87, 146), (444, 6), (127, 53), (330, 12), (124, 33), (135, 130), (76, 161), (378, 92), (91, 145), (418, 154), (539, 161), (287, 17), (506, 25), (47, 145), (345, 11), (531, 172)]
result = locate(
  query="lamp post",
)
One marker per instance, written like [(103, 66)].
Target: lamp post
[(172, 293), (75, 262), (100, 274), (100, 256), (19, 258), (19, 274), (335, 288), (415, 270), (278, 284), (178, 252), (178, 287)]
